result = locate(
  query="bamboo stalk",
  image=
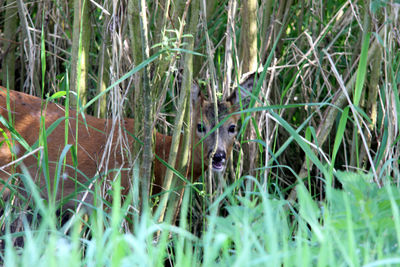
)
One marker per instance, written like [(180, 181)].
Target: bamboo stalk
[(147, 156), (249, 55), (104, 71), (136, 51), (80, 51)]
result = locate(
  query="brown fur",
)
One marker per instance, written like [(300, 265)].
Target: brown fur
[(25, 113)]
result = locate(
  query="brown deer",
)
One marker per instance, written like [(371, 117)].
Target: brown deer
[(25, 112)]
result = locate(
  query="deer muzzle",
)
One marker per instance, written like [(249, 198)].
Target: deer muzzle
[(218, 161)]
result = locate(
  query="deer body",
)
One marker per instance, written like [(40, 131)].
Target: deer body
[(25, 112)]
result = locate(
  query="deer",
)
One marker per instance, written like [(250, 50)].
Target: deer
[(23, 115)]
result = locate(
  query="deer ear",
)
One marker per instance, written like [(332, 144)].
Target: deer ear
[(195, 95), (246, 87)]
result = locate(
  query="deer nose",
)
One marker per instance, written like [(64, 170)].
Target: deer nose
[(218, 161), (219, 156)]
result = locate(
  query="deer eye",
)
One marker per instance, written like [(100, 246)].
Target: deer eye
[(232, 129), (201, 128)]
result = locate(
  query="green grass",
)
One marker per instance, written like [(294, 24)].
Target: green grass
[(358, 225)]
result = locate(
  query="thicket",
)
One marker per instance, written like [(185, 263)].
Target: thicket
[(313, 178)]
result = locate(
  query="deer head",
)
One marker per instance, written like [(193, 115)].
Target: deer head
[(216, 144)]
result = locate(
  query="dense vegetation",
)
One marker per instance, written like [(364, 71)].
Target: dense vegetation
[(313, 178)]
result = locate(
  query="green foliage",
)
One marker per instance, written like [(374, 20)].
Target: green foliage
[(370, 206), (355, 226)]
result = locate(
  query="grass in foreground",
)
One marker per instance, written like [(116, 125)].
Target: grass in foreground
[(358, 225)]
